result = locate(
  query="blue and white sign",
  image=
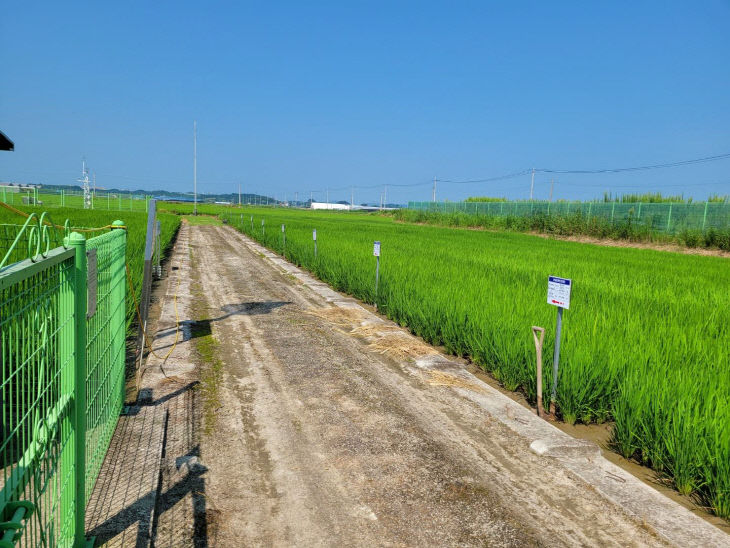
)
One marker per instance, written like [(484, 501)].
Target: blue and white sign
[(314, 234), (376, 249), (559, 291)]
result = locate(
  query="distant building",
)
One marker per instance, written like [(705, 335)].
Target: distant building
[(18, 187), (326, 205)]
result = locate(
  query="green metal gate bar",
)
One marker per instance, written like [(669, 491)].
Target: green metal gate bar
[(58, 405)]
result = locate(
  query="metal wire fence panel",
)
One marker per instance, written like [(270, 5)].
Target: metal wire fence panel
[(62, 357), (8, 235), (662, 217), (36, 399), (106, 329)]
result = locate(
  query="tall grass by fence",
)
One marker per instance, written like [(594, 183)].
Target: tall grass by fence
[(62, 334), (669, 218)]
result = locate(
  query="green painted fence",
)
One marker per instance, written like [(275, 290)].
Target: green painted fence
[(62, 350), (662, 217)]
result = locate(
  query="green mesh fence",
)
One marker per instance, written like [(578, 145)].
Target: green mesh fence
[(105, 336), (51, 394), (36, 396), (662, 217)]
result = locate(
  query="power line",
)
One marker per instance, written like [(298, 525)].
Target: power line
[(640, 186), (637, 168), (488, 179)]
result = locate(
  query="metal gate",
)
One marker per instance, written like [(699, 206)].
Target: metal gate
[(62, 355)]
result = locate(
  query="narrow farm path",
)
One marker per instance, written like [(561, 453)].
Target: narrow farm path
[(321, 430)]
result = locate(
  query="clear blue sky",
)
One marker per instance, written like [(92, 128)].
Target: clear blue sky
[(299, 96)]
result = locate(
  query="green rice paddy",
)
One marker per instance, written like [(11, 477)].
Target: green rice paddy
[(645, 342), (135, 221)]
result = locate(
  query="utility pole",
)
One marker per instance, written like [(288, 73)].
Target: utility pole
[(532, 183), (433, 193), (195, 167), (352, 197), (328, 198), (93, 194), (296, 198), (239, 194), (551, 190), (85, 184), (385, 196)]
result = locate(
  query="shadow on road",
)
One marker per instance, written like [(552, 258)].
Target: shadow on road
[(193, 329)]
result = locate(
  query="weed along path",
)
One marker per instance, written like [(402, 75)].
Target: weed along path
[(321, 424)]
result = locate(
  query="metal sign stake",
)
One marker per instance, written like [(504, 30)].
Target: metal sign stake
[(376, 252), (556, 361), (314, 237), (283, 240)]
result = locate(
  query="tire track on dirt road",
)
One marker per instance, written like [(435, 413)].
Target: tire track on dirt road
[(319, 440)]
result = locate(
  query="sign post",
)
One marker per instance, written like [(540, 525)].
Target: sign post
[(558, 295), (251, 224), (314, 237), (283, 240), (376, 253), (263, 230)]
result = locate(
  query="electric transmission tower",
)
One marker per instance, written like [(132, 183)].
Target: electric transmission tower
[(84, 180)]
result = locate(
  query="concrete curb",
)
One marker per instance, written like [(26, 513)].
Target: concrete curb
[(669, 520)]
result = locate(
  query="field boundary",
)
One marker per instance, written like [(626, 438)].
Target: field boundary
[(666, 518)]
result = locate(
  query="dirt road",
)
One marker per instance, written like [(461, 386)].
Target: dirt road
[(322, 431)]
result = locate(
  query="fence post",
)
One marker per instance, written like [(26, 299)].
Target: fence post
[(704, 217), (118, 327), (78, 243), (669, 217), (144, 300), (613, 207)]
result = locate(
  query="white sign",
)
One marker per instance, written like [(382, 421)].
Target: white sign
[(282, 228), (559, 291), (314, 234), (376, 249)]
